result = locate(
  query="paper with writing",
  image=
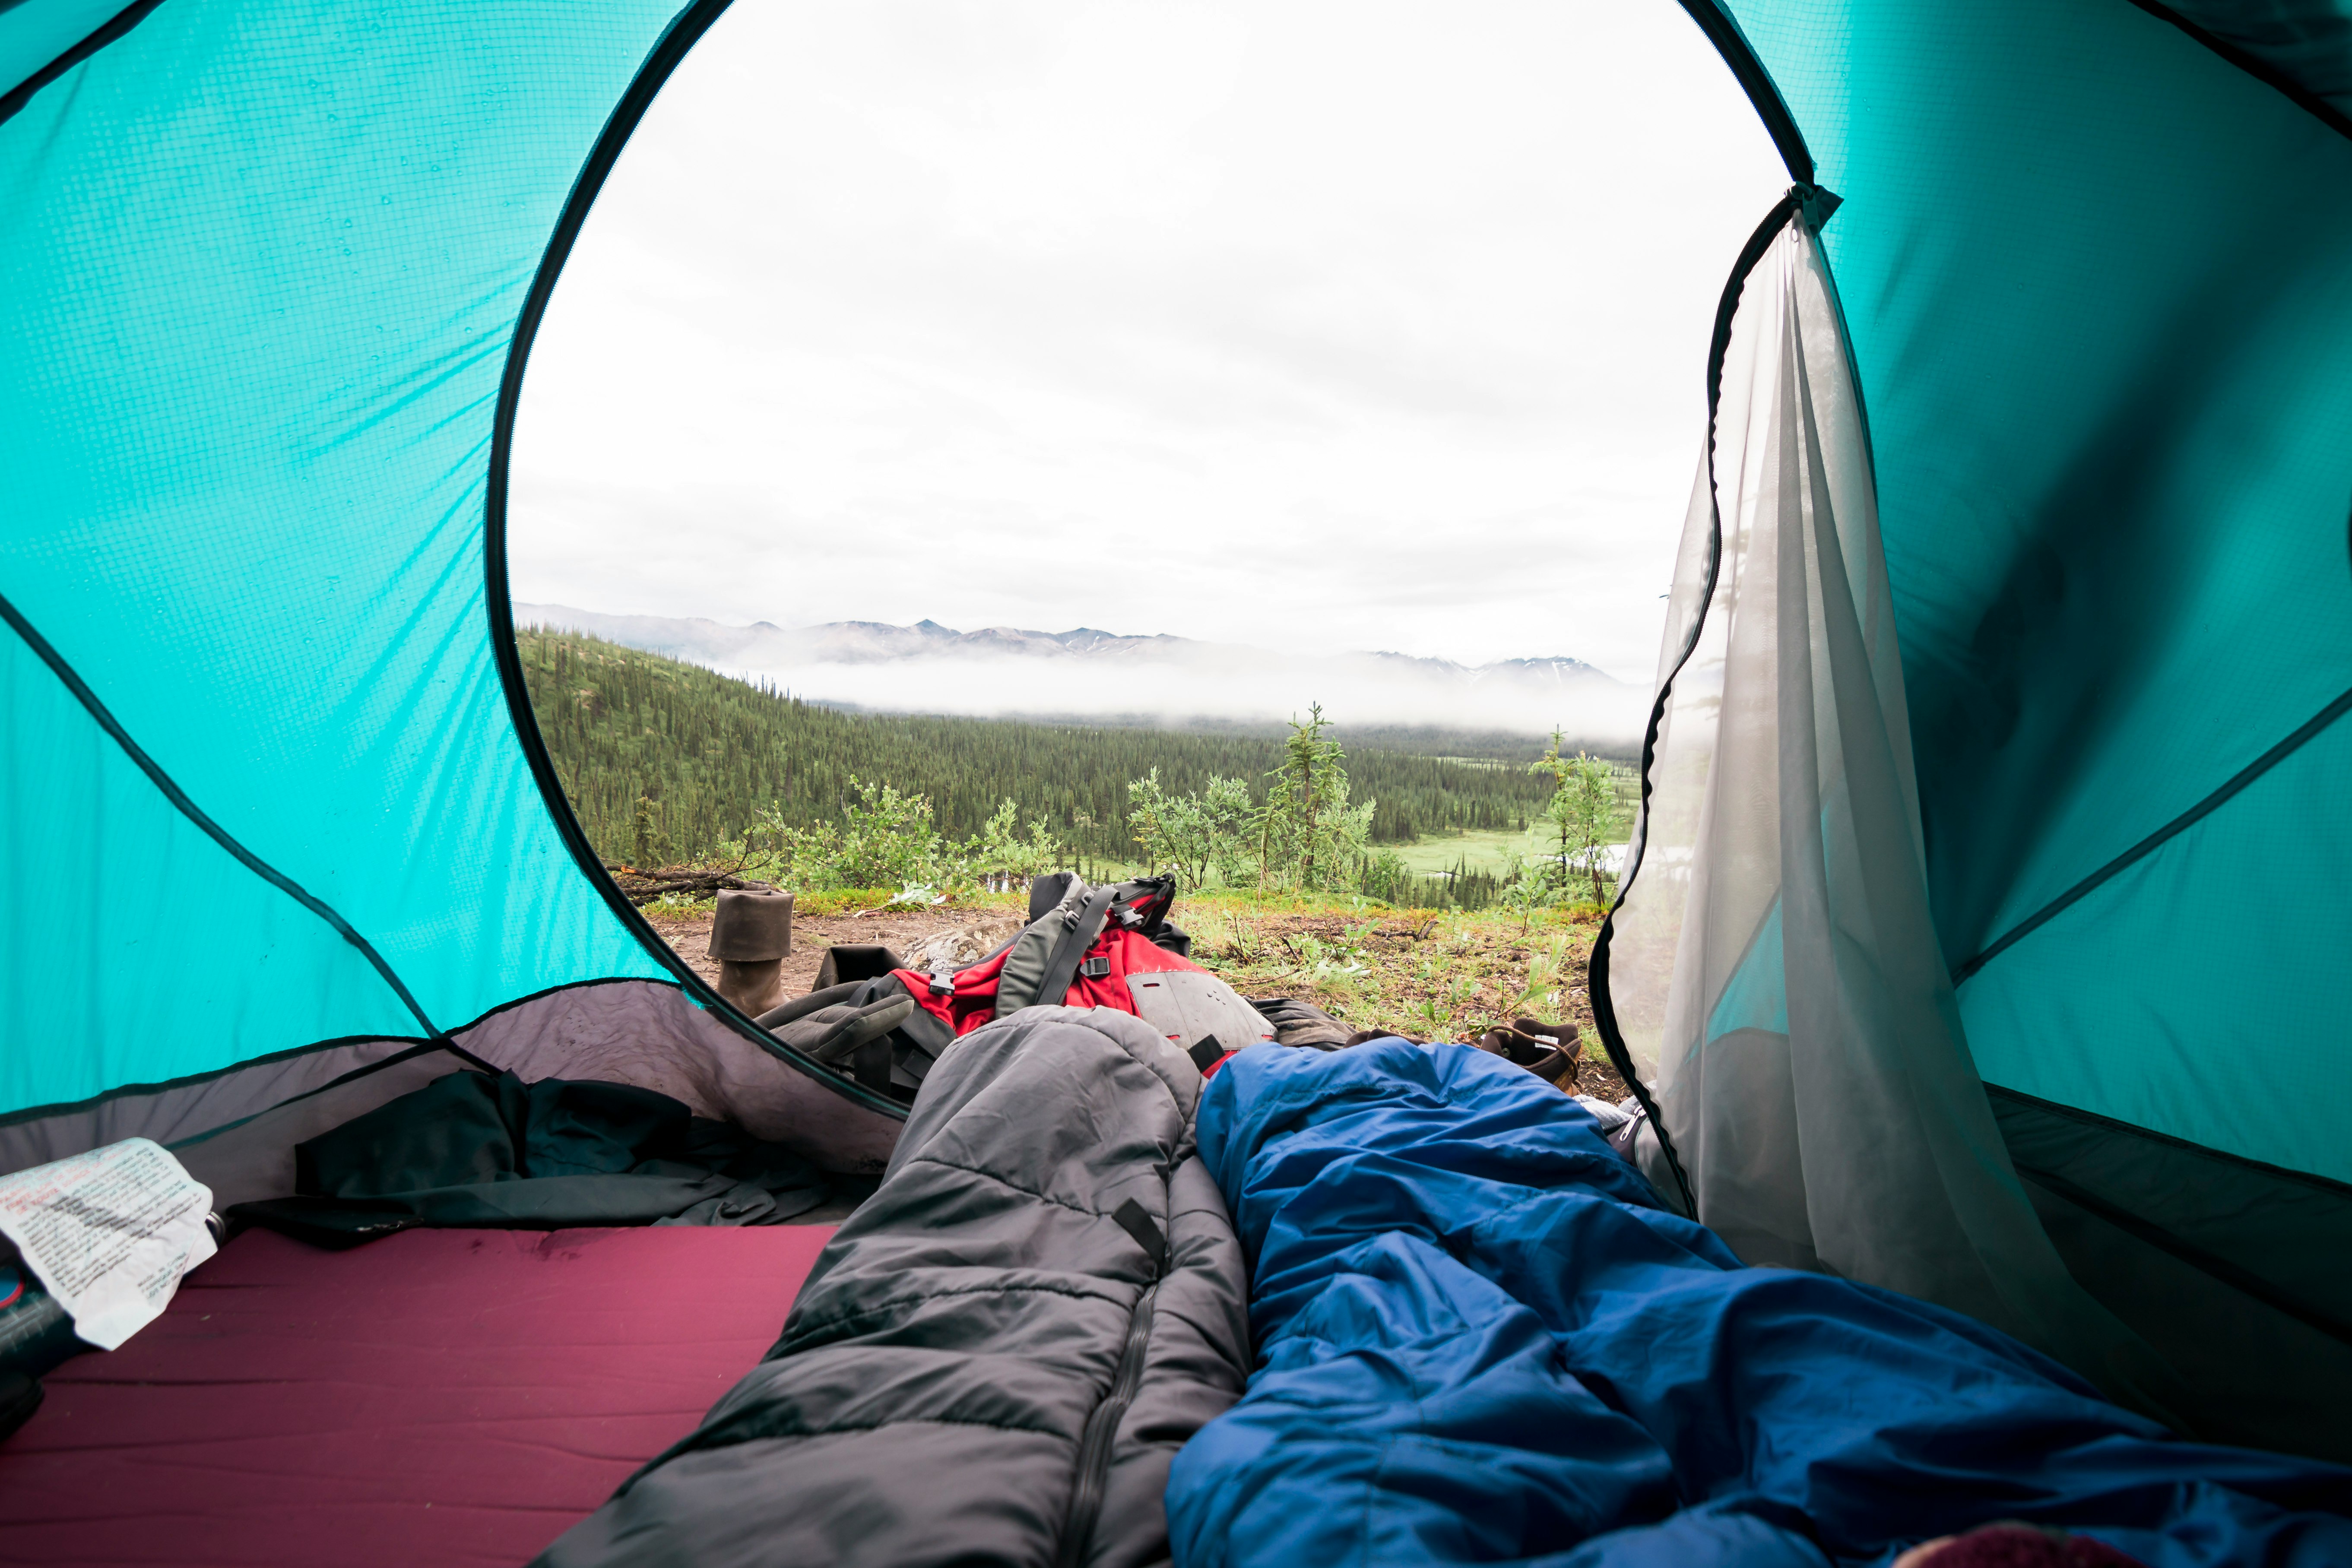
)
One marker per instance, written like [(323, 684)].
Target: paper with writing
[(108, 1234)]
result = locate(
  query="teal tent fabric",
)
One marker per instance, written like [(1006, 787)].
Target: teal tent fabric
[(248, 964), (261, 262), (35, 34), (2098, 281)]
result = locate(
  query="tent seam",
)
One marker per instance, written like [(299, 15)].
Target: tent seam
[(2326, 1185), (2244, 777), (74, 1106), (188, 809), (2254, 66), (115, 27), (369, 1069), (2243, 1280)]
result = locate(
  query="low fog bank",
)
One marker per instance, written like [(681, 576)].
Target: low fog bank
[(1097, 677), (1175, 696)]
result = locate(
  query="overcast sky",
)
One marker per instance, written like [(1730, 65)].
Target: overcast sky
[(1298, 324)]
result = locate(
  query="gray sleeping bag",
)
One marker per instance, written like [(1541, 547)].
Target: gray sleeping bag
[(999, 1355)]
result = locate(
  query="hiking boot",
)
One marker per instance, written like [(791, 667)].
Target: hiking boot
[(1547, 1050)]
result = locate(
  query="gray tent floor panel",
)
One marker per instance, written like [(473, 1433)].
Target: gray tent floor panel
[(242, 1124)]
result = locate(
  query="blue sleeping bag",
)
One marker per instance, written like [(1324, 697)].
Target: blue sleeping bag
[(1482, 1339)]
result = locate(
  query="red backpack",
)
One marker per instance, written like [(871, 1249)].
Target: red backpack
[(1084, 946)]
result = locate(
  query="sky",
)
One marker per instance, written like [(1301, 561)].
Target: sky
[(1301, 324)]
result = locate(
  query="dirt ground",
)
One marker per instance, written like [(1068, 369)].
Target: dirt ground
[(689, 937), (1428, 977)]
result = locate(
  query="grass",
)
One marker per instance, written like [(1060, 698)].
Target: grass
[(1425, 975), (1484, 850)]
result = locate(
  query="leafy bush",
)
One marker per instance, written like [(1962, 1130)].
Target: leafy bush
[(1193, 835), (1305, 836), (886, 839), (1388, 879), (1531, 885), (1001, 851)]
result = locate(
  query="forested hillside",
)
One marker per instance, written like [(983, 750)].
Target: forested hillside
[(712, 752)]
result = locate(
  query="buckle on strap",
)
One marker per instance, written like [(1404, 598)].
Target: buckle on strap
[(1095, 968)]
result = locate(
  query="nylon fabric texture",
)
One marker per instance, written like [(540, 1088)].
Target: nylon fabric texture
[(263, 263), (1772, 966), (2096, 284), (71, 1035), (1481, 1339), (35, 33)]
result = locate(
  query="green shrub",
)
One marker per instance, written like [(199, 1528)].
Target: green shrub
[(1192, 836), (1388, 879), (882, 839)]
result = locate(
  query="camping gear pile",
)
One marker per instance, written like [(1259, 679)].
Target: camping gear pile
[(1981, 938), (1084, 946)]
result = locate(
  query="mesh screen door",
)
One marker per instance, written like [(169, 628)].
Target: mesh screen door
[(1772, 966)]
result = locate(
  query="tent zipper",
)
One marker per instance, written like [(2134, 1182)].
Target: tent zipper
[(1101, 1428)]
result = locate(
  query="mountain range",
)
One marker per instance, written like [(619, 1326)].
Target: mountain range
[(1087, 673)]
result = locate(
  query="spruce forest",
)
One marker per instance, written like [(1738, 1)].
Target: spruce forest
[(708, 755)]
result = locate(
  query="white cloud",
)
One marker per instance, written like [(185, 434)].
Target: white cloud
[(1284, 322)]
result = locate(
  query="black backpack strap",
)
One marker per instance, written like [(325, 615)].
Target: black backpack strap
[(1046, 892), (876, 1056), (927, 1033), (1063, 967), (872, 1064)]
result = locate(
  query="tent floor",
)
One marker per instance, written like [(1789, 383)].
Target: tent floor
[(439, 1396)]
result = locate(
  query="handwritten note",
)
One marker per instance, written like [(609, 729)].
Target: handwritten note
[(109, 1232)]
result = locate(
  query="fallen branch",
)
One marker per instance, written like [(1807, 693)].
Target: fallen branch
[(642, 888)]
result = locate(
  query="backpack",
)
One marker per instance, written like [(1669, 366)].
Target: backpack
[(1084, 946)]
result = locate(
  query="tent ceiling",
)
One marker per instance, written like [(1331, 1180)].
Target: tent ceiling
[(2306, 42)]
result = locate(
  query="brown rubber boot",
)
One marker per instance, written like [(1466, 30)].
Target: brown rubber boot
[(751, 935)]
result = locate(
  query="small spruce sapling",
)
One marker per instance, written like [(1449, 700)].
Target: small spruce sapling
[(1307, 822), (1581, 816)]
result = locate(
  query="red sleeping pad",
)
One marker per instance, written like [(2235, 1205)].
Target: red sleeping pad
[(437, 1398)]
